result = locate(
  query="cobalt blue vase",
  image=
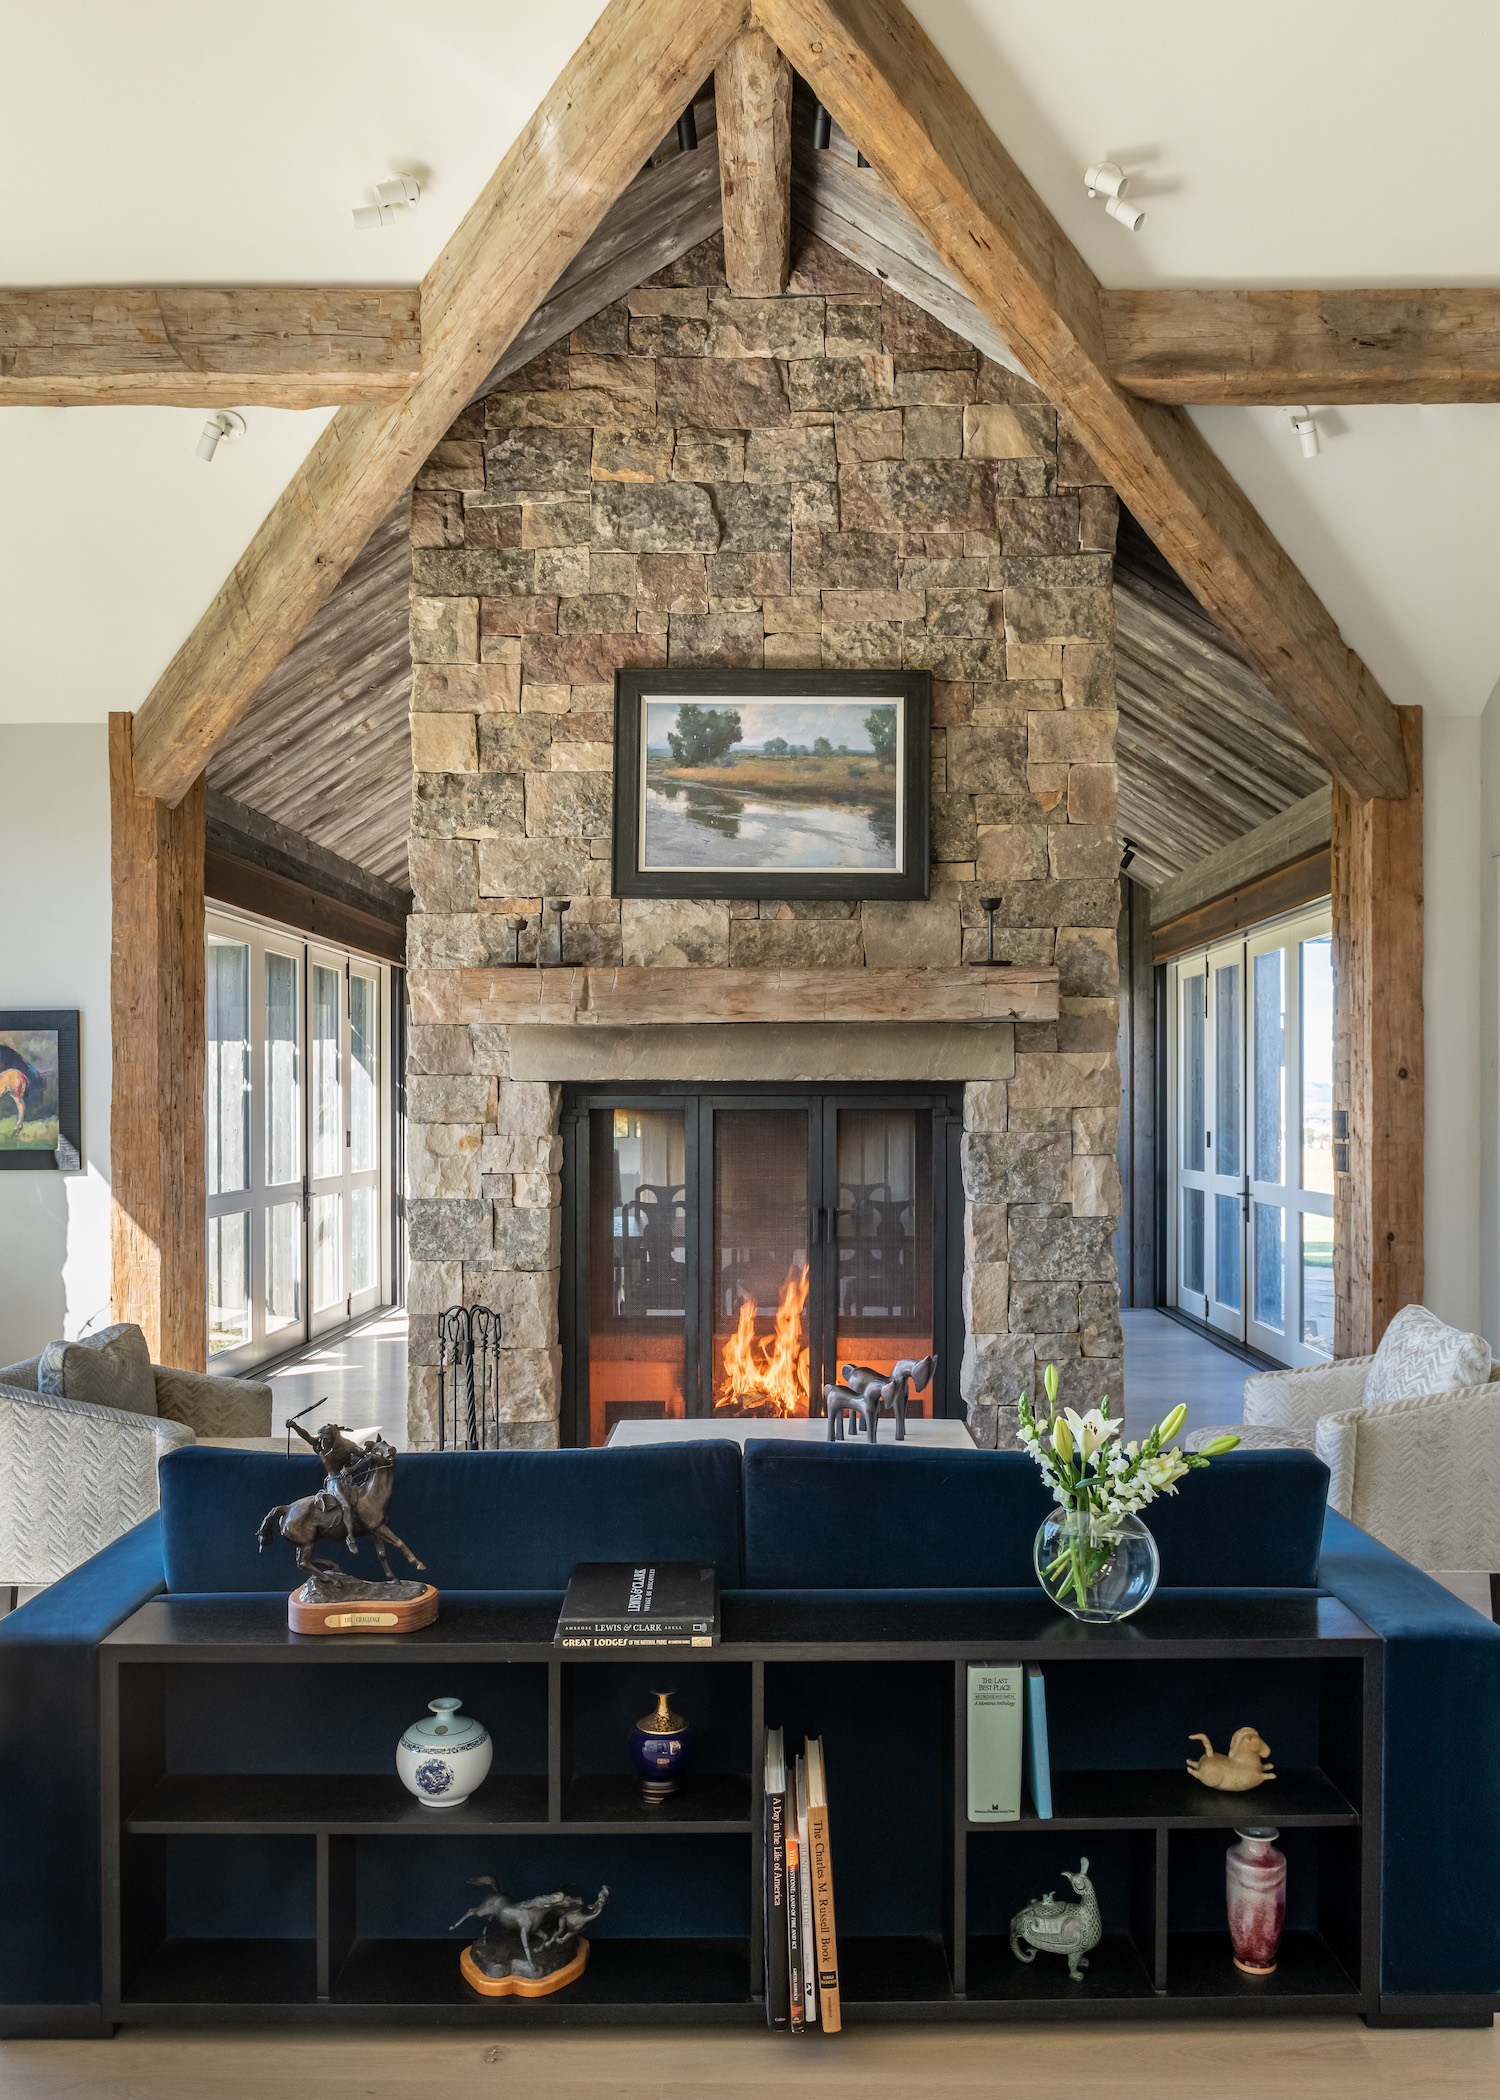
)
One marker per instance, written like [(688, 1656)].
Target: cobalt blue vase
[(661, 1744)]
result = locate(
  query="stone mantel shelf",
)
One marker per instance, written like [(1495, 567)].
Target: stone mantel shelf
[(640, 997)]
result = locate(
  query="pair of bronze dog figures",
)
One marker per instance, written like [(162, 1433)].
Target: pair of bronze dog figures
[(865, 1394)]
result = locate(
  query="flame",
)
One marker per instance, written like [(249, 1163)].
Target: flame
[(769, 1377)]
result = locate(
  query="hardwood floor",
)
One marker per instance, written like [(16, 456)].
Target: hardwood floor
[(1166, 1362), (1304, 2060)]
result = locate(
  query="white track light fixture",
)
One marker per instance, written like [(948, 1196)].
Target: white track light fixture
[(1107, 179), (1306, 431), (227, 426), (400, 193)]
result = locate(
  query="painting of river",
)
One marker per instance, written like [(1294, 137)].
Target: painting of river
[(780, 785)]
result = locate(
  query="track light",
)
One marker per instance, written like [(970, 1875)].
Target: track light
[(226, 426), (1107, 179), (1306, 429), (399, 193)]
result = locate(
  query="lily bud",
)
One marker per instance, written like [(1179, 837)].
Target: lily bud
[(1049, 1380), (1217, 1446), (1062, 1439), (1173, 1423)]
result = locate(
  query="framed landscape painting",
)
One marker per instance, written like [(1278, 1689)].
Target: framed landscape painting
[(772, 783), (39, 1108)]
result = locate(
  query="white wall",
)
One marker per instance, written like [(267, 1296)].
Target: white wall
[(54, 952), (1457, 1157)]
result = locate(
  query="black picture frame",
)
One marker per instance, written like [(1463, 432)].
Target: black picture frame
[(911, 876), (66, 1156)]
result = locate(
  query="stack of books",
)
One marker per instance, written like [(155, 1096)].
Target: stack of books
[(802, 1953), (620, 1604)]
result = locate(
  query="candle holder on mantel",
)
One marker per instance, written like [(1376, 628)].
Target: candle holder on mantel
[(468, 1379), (989, 906), (559, 905)]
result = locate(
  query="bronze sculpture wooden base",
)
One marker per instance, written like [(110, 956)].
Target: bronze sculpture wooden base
[(375, 1614), (523, 1986)]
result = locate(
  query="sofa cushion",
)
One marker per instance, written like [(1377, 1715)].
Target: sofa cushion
[(481, 1520), (1422, 1354), (109, 1369), (839, 1516)]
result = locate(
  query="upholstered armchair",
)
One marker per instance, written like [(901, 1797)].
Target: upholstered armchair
[(82, 1428), (1410, 1436)]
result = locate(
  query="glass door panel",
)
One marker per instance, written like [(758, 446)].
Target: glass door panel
[(328, 1141), (227, 1074), (228, 1281), (882, 1272), (363, 1155), (637, 1266), (1224, 1139), (1192, 1138), (760, 1270)]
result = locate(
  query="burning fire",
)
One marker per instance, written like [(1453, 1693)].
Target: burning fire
[(767, 1377)]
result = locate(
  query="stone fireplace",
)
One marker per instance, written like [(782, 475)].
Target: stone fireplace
[(827, 479)]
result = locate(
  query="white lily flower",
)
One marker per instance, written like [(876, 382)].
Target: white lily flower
[(1090, 1431)]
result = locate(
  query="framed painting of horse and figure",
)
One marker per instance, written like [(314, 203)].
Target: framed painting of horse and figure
[(39, 1091)]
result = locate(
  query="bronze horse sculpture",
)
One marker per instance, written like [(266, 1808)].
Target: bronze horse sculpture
[(353, 1502), (542, 1922), (864, 1393)]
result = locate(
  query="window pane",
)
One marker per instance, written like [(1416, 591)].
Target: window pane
[(283, 1072), (228, 1282), (760, 1262), (283, 1266), (1270, 1068), (1192, 1240), (1227, 1252), (883, 1238), (1317, 1065), (364, 1075), (227, 1072), (1317, 1283), (327, 1254), (327, 1105), (1193, 1025), (1268, 1223), (637, 1266), (364, 1262), (1227, 1052)]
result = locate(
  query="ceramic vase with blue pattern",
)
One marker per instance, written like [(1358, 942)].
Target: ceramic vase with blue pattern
[(442, 1759), (661, 1744)]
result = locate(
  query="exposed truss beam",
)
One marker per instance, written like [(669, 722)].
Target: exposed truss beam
[(1283, 347), (202, 346), (753, 97), (626, 84), (871, 64)]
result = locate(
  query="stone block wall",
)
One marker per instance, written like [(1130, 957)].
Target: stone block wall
[(827, 479)]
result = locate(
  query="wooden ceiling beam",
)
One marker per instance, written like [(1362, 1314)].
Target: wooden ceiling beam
[(753, 102), (637, 69), (1240, 348), (207, 346), (875, 69)]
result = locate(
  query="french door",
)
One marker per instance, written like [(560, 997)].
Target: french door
[(726, 1249), (297, 1112), (1250, 1080)]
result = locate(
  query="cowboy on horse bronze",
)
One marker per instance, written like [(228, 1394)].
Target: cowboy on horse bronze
[(350, 1506)]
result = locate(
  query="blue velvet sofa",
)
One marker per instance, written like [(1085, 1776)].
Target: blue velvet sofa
[(784, 1519)]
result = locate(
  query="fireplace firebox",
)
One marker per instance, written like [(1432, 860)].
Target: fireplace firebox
[(726, 1248)]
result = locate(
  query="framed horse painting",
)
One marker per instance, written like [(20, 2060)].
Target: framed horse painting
[(39, 1092)]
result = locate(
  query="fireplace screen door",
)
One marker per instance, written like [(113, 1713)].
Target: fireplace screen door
[(726, 1251)]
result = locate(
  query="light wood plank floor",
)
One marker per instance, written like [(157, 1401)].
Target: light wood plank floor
[(1298, 2060)]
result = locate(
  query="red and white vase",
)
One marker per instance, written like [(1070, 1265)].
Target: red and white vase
[(1255, 1892)]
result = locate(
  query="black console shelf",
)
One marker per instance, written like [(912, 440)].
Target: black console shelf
[(351, 1911)]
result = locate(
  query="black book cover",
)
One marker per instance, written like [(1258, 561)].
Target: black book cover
[(640, 1603), (777, 1951)]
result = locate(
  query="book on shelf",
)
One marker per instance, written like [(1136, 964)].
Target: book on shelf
[(1038, 1758), (795, 2015), (825, 1948), (777, 1934), (652, 1604), (805, 1892), (994, 1742)]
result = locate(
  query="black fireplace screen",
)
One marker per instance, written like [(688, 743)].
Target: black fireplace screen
[(725, 1251)]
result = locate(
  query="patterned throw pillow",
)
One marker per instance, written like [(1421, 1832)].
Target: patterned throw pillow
[(109, 1369), (1422, 1354)]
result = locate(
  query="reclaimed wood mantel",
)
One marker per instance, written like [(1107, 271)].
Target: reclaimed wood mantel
[(641, 997)]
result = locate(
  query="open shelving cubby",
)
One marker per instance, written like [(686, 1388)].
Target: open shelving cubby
[(262, 1860)]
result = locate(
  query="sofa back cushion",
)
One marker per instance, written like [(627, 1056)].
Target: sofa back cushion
[(826, 1516), (481, 1520), (1420, 1353), (109, 1369)]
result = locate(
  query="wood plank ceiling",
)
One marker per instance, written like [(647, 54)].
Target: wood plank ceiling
[(1205, 752)]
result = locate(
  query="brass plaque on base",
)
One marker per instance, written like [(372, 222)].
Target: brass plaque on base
[(371, 1614), (523, 1986)]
